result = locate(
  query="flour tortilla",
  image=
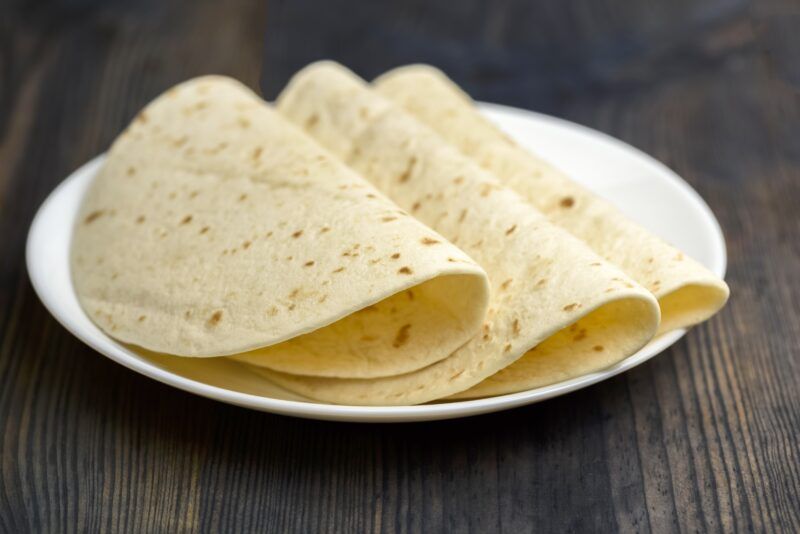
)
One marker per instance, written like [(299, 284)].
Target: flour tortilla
[(687, 292), (549, 290), (215, 227)]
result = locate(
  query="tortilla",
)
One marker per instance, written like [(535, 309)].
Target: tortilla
[(550, 292), (687, 292), (215, 227)]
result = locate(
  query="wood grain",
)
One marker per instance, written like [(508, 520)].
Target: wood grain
[(703, 438)]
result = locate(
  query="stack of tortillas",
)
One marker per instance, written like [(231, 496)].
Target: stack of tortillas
[(373, 259)]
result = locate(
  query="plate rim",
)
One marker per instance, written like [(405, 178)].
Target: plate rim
[(423, 412)]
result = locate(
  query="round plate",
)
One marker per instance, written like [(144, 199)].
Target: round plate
[(643, 188)]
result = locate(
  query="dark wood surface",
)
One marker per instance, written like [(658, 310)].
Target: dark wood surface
[(702, 438)]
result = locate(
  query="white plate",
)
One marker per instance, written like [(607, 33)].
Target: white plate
[(642, 187)]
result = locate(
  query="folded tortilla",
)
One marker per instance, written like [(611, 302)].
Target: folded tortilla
[(553, 300), (687, 292), (215, 227)]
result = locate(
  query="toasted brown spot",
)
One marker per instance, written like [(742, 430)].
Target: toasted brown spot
[(429, 241), (406, 174), (244, 123), (257, 152), (215, 318), (140, 219), (93, 216), (289, 258), (541, 282), (308, 263), (273, 311), (486, 337), (598, 348), (374, 261), (370, 195), (395, 255), (142, 318), (242, 197), (507, 348), (324, 229), (581, 335), (679, 256), (463, 215), (368, 338), (410, 294), (511, 230), (505, 284), (404, 270), (610, 289), (246, 245), (194, 194), (416, 206), (452, 260), (389, 219), (515, 326), (291, 306), (187, 313), (172, 195), (294, 293), (570, 307), (322, 299), (458, 180), (340, 269), (312, 120), (486, 189), (204, 229), (131, 171), (567, 202), (180, 141), (297, 234), (268, 234), (401, 338), (650, 260), (141, 117), (186, 220)]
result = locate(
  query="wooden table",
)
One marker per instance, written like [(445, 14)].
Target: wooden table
[(703, 438)]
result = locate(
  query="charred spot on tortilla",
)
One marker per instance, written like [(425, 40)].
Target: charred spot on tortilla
[(93, 216), (215, 318), (567, 202), (406, 174), (405, 270), (401, 338)]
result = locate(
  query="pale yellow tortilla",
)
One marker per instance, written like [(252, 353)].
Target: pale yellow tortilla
[(687, 292), (215, 227), (543, 279)]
